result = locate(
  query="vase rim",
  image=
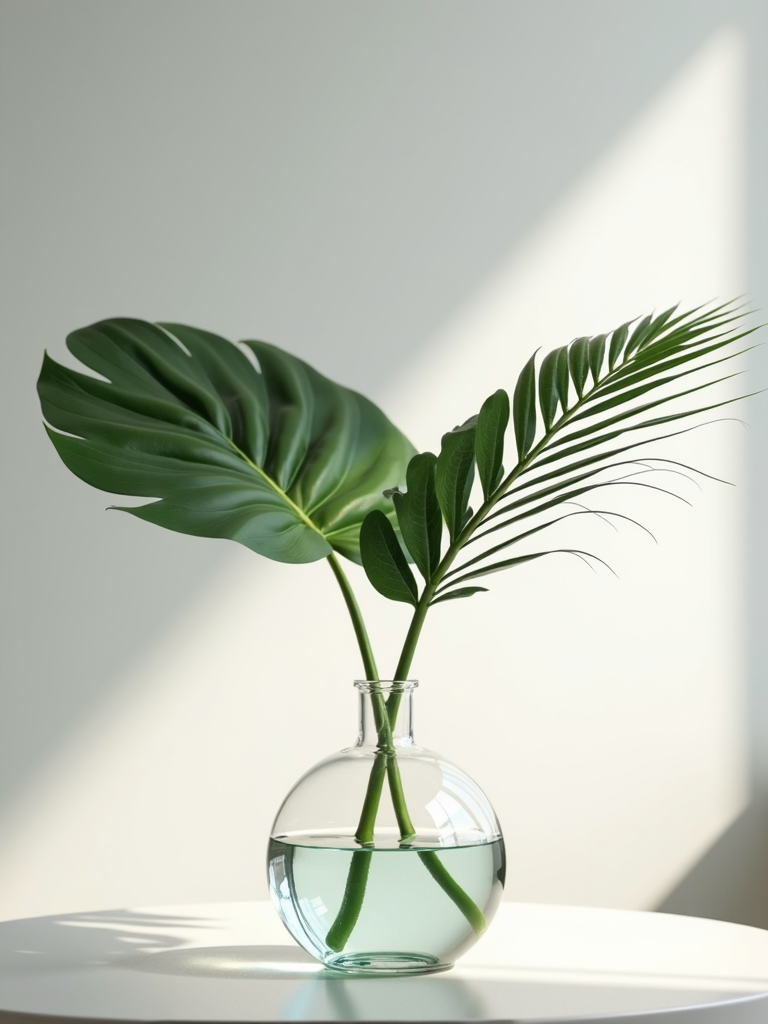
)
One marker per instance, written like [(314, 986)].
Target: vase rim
[(386, 685)]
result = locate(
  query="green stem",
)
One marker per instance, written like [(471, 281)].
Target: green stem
[(352, 901), (366, 825), (364, 834), (361, 633), (451, 887), (414, 632), (385, 762), (386, 757)]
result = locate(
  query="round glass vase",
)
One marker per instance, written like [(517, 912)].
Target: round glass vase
[(385, 858)]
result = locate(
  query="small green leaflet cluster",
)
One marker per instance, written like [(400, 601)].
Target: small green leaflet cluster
[(584, 397), (438, 491)]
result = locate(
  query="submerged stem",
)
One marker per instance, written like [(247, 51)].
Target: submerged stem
[(352, 900), (451, 887)]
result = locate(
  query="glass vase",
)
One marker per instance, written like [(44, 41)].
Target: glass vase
[(386, 858)]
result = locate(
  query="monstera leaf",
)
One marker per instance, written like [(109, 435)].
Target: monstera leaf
[(278, 458)]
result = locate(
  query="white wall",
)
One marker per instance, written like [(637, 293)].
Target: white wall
[(413, 197)]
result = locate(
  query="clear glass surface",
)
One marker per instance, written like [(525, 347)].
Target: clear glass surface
[(398, 898)]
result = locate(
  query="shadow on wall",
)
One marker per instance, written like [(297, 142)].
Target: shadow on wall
[(89, 624), (730, 882), (98, 592)]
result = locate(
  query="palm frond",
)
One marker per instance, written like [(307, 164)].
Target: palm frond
[(635, 380), (586, 419)]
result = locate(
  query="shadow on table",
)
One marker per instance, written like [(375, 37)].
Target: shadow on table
[(98, 938), (107, 944), (133, 941), (241, 963)]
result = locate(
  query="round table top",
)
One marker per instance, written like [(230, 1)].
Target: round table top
[(235, 962)]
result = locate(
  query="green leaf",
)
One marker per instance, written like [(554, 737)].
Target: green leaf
[(618, 341), (647, 382), (595, 355), (563, 376), (657, 325), (509, 541), (449, 595), (489, 440), (602, 461), (578, 363), (383, 560), (524, 408), (509, 563), (598, 439), (592, 432), (418, 514), (577, 455), (638, 336), (279, 458), (548, 387), (455, 473), (650, 372)]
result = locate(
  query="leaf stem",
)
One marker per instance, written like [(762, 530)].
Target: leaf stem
[(370, 809), (384, 717), (385, 762), (414, 630), (386, 758), (361, 633)]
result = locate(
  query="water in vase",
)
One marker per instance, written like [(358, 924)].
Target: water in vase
[(421, 907)]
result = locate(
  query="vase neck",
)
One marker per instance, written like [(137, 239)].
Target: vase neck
[(386, 713)]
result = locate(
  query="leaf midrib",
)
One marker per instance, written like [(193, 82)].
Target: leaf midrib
[(300, 513)]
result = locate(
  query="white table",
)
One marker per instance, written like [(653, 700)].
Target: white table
[(235, 962)]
